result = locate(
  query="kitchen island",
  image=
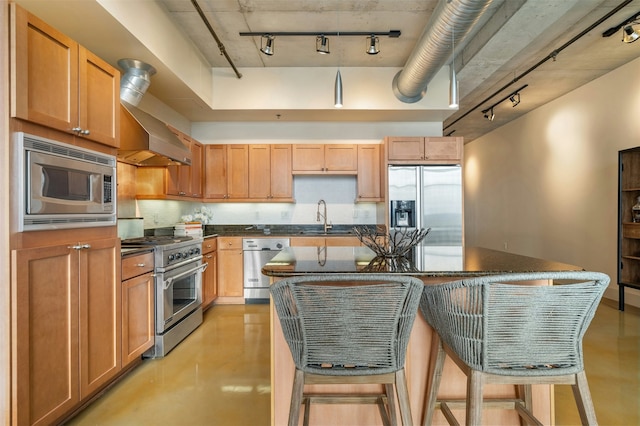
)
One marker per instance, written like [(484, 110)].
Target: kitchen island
[(432, 264)]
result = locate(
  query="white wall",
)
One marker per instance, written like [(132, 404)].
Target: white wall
[(546, 185)]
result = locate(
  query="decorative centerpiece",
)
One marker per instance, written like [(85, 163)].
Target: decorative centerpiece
[(396, 244)]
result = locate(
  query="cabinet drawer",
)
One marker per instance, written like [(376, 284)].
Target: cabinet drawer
[(230, 243), (209, 245), (133, 266)]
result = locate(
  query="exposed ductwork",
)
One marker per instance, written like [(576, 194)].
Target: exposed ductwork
[(451, 22), (135, 81)]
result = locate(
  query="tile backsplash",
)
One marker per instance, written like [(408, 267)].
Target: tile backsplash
[(339, 192)]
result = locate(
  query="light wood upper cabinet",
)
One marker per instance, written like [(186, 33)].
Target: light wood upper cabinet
[(325, 159), (197, 164), (175, 181), (67, 329), (215, 172), (183, 180), (281, 177), (369, 182), (259, 171), (424, 150), (270, 176), (59, 84), (226, 172)]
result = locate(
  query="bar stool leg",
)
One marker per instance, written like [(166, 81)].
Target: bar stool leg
[(296, 398), (391, 397), (474, 398), (437, 365), (583, 400), (403, 398)]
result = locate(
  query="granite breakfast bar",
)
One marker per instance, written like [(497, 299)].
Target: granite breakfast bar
[(432, 264)]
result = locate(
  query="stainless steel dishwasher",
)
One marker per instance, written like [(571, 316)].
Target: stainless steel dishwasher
[(256, 253)]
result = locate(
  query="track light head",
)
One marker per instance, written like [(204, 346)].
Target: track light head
[(488, 114), (629, 34), (322, 45), (267, 44), (373, 45), (515, 99)]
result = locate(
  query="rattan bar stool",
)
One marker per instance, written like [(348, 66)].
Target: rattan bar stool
[(498, 329), (348, 328)]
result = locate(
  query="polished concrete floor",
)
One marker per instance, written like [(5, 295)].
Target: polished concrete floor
[(220, 375)]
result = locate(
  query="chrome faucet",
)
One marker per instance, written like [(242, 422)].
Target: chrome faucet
[(323, 215)]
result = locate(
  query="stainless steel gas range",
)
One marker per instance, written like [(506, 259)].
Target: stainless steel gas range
[(178, 288)]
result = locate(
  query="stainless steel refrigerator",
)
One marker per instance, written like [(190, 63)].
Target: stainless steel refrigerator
[(427, 197)]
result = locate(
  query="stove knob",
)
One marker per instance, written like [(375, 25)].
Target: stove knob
[(177, 256), (171, 257), (185, 254), (197, 250)]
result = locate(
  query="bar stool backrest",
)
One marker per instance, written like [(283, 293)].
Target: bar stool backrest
[(347, 324), (502, 325)]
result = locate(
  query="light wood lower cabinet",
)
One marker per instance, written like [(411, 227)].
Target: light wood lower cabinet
[(210, 275), (66, 334), (230, 270), (137, 306)]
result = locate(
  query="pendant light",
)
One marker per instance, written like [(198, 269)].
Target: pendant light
[(337, 94), (453, 79), (337, 90)]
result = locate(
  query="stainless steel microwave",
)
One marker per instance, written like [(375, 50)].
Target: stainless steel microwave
[(64, 186)]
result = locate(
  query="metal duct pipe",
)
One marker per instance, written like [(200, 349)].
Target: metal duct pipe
[(135, 81), (451, 22)]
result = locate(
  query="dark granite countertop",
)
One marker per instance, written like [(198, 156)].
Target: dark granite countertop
[(283, 230), (426, 261)]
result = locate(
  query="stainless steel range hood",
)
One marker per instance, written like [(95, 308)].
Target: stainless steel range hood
[(147, 141)]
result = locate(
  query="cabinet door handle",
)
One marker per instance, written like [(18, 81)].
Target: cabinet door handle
[(80, 246), (85, 132), (142, 265)]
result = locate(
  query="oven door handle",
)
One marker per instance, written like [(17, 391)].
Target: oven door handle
[(168, 281)]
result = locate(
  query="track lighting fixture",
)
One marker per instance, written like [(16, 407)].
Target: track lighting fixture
[(514, 97), (629, 33), (322, 41), (267, 44), (373, 45), (489, 114), (322, 45)]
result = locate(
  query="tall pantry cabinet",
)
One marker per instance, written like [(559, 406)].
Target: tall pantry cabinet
[(65, 342)]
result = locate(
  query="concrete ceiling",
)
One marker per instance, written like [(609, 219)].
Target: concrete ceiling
[(515, 43)]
